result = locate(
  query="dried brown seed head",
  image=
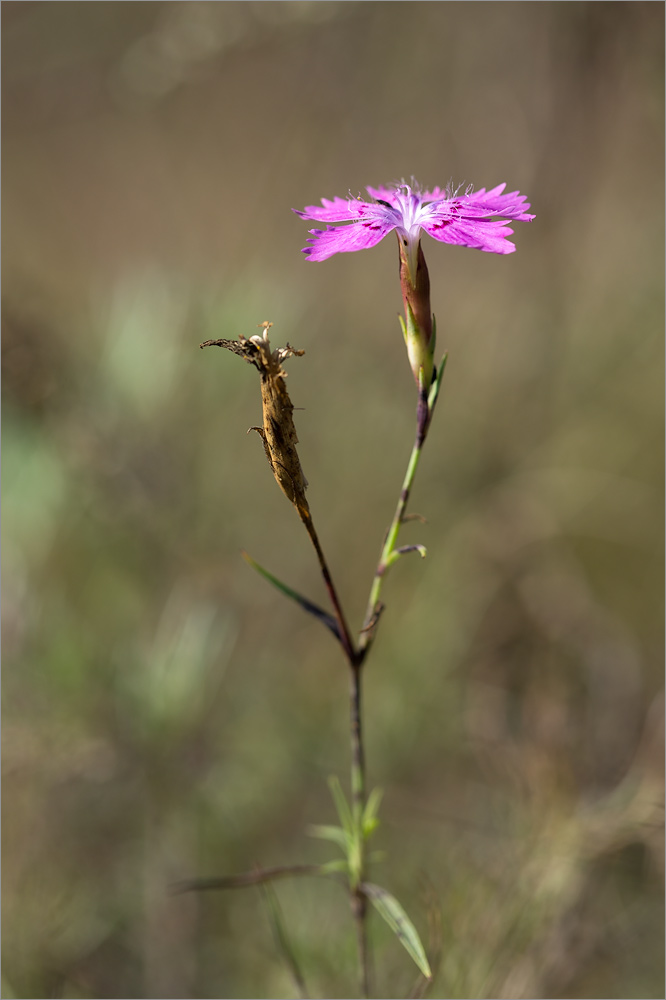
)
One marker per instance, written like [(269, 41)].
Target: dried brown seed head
[(278, 431)]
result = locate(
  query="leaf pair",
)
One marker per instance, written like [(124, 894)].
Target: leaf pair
[(350, 836)]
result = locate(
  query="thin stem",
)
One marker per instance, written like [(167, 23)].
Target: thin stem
[(424, 413), (359, 909), (358, 900), (345, 635), (357, 753), (374, 607), (356, 655)]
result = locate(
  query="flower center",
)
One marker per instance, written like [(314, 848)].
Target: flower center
[(410, 212)]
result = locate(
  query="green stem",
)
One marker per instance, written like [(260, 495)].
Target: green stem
[(374, 606), (426, 407), (392, 536)]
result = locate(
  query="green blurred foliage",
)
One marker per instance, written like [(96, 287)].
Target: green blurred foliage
[(166, 713)]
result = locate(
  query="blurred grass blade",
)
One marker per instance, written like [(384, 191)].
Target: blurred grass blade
[(392, 912), (313, 609), (282, 940)]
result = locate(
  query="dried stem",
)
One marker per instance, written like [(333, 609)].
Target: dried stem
[(345, 635)]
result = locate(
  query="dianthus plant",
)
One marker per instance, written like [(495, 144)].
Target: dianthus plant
[(477, 219)]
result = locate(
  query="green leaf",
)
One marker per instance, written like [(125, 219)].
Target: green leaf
[(313, 609), (334, 833), (370, 821), (335, 866), (392, 912), (369, 827), (403, 328), (395, 555), (342, 806), (437, 384)]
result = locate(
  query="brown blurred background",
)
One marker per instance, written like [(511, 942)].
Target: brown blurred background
[(166, 713)]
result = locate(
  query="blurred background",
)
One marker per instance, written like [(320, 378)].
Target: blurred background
[(167, 714)]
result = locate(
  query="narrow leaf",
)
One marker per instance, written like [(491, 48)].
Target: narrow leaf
[(369, 827), (313, 609), (392, 912), (437, 384), (342, 806), (403, 550), (334, 833), (370, 821), (335, 866), (402, 327)]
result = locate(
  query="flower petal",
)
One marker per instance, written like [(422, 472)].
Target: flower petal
[(511, 206), (478, 234), (345, 239), (437, 194), (385, 194), (336, 210)]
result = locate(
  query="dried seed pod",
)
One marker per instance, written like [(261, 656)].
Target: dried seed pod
[(278, 432)]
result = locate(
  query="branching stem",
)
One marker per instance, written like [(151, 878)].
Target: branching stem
[(356, 654)]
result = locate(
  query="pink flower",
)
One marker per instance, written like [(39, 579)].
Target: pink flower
[(476, 219)]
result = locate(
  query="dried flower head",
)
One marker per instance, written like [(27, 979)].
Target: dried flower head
[(278, 432)]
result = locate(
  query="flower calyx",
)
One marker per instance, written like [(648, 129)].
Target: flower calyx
[(417, 327)]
